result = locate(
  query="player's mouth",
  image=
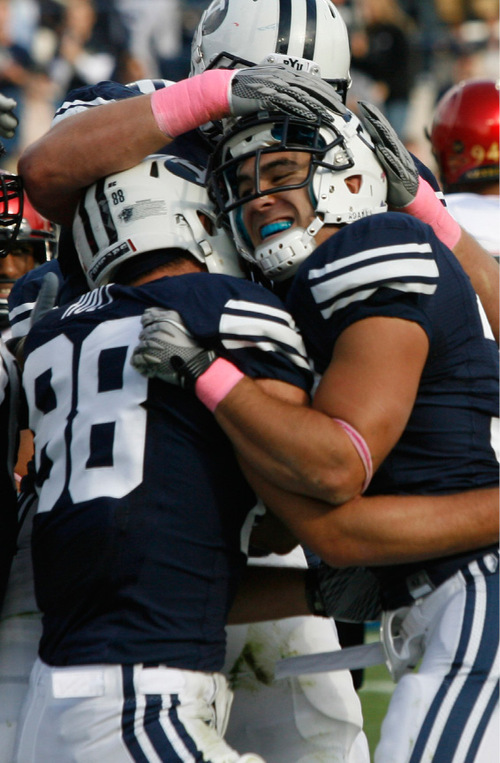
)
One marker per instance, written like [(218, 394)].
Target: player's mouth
[(278, 226)]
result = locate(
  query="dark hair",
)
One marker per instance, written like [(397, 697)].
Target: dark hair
[(144, 263)]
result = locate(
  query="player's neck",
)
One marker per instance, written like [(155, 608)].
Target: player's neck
[(169, 269)]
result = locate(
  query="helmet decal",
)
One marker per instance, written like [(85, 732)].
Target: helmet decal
[(214, 16), (183, 168)]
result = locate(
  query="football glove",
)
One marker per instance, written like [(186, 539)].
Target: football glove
[(278, 88), (350, 594), (402, 173), (167, 350), (8, 120)]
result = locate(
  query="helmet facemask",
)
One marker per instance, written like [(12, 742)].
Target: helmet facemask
[(11, 210), (338, 149)]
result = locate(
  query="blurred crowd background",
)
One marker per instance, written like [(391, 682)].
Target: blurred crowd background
[(405, 53)]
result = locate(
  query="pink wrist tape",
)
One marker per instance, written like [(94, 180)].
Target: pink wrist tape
[(217, 382), (192, 102), (362, 450), (427, 207)]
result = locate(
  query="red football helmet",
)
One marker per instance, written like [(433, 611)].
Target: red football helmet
[(19, 220), (464, 133)]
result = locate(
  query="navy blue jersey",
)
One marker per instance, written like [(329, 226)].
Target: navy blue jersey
[(192, 145), (23, 296), (139, 540), (393, 265)]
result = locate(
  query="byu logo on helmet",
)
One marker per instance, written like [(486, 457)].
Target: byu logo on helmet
[(215, 15)]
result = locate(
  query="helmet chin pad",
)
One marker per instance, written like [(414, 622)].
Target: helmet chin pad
[(280, 257)]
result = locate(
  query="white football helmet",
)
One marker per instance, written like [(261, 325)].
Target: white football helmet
[(162, 203), (309, 35), (339, 148)]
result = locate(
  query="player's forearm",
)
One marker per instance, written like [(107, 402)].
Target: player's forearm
[(379, 530), (484, 273), (294, 447), (85, 147)]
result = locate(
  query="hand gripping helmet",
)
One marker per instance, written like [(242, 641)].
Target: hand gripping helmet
[(161, 203), (305, 34), (19, 221), (464, 134), (339, 148)]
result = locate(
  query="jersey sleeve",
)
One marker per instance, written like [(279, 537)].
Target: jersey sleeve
[(243, 322), (429, 176), (381, 266), (83, 98)]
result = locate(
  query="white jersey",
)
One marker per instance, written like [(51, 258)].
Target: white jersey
[(479, 215)]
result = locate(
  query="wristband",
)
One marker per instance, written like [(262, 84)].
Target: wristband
[(217, 382), (427, 207), (192, 102), (362, 450)]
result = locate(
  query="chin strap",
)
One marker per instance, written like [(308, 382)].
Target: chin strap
[(280, 258)]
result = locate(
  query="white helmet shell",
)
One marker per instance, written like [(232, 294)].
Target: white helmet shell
[(154, 205), (339, 149), (272, 31)]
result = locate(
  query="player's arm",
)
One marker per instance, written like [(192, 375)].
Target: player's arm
[(90, 145), (370, 384), (374, 392), (85, 147), (363, 402), (484, 273), (379, 530)]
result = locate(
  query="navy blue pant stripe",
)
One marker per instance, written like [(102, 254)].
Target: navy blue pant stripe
[(488, 712), (475, 681), (463, 642), (128, 716), (493, 601), (181, 730), (157, 736)]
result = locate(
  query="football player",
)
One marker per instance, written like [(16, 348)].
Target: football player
[(464, 140), (139, 490), (398, 340)]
